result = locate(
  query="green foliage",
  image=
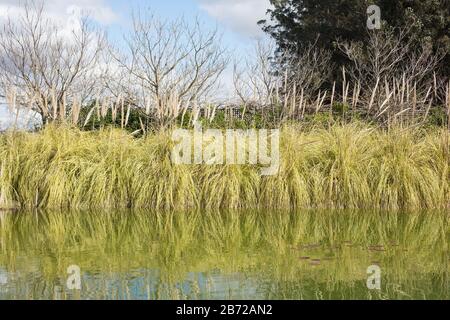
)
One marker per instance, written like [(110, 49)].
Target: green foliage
[(437, 117), (296, 23), (241, 119), (90, 121), (300, 22), (340, 108)]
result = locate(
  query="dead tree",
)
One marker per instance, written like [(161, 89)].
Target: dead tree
[(167, 65), (44, 69)]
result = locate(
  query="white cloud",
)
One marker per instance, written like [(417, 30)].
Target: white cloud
[(240, 15), (65, 11)]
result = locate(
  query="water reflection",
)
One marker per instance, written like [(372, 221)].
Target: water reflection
[(227, 255)]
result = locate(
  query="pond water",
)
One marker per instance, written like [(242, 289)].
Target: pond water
[(224, 255)]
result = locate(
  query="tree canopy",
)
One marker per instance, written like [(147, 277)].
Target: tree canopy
[(294, 24)]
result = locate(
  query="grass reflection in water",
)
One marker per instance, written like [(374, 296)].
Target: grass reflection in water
[(224, 255)]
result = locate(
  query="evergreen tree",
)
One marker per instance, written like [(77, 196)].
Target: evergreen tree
[(296, 23)]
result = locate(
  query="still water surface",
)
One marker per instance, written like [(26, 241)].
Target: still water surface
[(226, 255)]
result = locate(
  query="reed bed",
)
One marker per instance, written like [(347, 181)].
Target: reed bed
[(342, 166)]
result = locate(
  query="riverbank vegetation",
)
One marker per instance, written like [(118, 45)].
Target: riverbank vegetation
[(365, 121), (340, 166)]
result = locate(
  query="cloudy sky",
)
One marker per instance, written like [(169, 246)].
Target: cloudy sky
[(237, 19)]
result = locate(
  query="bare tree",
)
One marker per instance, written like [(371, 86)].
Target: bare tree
[(389, 54), (168, 62), (394, 76), (307, 70), (266, 75), (254, 77), (44, 69)]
